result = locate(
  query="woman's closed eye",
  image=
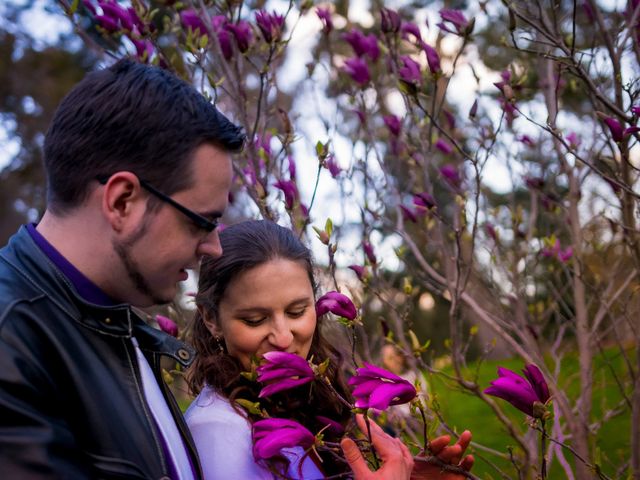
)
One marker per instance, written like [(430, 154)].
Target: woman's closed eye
[(297, 312), (253, 321)]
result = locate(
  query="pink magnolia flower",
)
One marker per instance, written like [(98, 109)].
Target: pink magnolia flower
[(444, 146), (361, 272), (223, 34), (242, 33), (332, 166), (271, 25), (393, 123), (283, 371), (363, 44), (390, 21), (375, 387), (574, 140), (424, 200), (451, 175), (408, 215), (324, 14), (520, 393), (336, 303), (273, 434), (410, 71), (410, 28), (330, 425), (119, 15), (454, 21), (527, 140), (358, 70), (618, 132), (290, 191), (144, 49), (433, 59), (190, 19), (167, 325), (368, 251)]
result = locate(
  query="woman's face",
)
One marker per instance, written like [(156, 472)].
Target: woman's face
[(270, 307)]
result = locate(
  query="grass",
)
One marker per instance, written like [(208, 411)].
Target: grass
[(464, 411)]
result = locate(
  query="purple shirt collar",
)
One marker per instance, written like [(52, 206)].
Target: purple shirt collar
[(88, 290)]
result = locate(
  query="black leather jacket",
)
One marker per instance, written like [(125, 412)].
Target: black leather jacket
[(71, 398)]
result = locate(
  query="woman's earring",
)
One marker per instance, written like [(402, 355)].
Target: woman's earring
[(219, 344)]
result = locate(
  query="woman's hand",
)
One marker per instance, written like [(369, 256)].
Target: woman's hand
[(397, 462)]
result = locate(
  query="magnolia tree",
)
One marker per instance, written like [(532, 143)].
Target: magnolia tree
[(493, 151)]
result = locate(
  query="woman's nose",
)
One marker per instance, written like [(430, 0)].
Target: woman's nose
[(281, 335)]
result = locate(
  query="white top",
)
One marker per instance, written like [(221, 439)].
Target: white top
[(223, 440), (167, 427)]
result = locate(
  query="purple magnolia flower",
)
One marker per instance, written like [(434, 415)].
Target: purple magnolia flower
[(451, 175), (368, 251), (520, 392), (527, 140), (108, 23), (358, 70), (491, 232), (290, 191), (444, 146), (453, 21), (390, 21), (119, 15), (324, 14), (363, 44), (635, 110), (618, 132), (242, 33), (424, 200), (410, 71), (375, 387), (191, 20), (271, 25), (167, 325), (433, 59), (574, 140), (393, 123), (283, 371), (223, 34), (273, 434), (144, 49), (332, 166), (564, 255), (408, 215), (409, 28), (336, 303), (361, 272), (330, 425)]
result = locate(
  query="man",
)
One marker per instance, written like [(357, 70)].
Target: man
[(138, 172)]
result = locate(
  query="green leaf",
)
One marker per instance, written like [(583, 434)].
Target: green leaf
[(74, 7), (328, 226)]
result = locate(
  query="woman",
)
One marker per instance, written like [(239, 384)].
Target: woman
[(260, 297)]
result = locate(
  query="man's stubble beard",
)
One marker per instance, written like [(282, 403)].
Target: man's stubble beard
[(134, 274)]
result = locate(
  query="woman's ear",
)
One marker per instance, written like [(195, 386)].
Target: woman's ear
[(210, 322)]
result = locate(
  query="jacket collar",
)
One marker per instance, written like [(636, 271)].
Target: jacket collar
[(36, 269)]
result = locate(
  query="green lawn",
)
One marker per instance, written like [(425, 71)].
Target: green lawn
[(462, 410)]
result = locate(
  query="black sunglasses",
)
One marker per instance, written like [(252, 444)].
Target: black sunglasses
[(197, 219)]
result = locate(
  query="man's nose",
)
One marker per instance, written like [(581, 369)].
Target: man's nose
[(210, 245)]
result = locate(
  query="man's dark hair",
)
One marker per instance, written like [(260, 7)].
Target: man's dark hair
[(130, 117)]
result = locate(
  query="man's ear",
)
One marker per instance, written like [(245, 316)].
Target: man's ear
[(123, 201)]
